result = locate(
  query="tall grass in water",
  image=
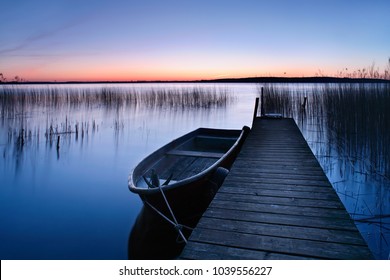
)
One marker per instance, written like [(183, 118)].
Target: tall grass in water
[(359, 118), (277, 101), (287, 101), (356, 117), (18, 98), (18, 103)]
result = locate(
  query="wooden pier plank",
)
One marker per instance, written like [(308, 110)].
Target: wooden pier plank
[(300, 247), (279, 209), (276, 203), (333, 204), (218, 252), (289, 231), (313, 195), (278, 186), (280, 219)]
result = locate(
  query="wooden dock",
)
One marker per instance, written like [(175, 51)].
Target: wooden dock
[(276, 203)]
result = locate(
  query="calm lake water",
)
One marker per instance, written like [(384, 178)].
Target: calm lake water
[(73, 202)]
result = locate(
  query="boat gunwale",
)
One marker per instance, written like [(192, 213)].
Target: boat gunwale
[(170, 146)]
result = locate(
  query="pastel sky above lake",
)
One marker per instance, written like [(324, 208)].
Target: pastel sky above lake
[(90, 40)]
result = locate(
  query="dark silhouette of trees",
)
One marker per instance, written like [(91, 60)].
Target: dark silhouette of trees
[(2, 78)]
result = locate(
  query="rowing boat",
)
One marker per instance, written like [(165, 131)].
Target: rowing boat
[(187, 172)]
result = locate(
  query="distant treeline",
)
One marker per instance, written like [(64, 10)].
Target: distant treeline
[(298, 80), (229, 80)]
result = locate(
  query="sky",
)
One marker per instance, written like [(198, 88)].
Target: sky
[(126, 40)]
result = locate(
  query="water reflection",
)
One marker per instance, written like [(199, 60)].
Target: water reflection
[(68, 199)]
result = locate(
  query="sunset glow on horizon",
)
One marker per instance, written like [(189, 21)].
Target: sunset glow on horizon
[(179, 40)]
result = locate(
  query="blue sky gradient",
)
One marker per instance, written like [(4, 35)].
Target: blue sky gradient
[(178, 40)]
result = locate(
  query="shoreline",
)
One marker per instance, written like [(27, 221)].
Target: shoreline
[(225, 80)]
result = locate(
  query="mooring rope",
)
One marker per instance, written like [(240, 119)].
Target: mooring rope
[(177, 226)]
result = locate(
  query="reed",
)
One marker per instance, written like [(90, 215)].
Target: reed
[(14, 98), (359, 118), (17, 102), (277, 101), (354, 118)]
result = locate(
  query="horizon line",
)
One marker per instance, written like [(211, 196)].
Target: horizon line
[(311, 79)]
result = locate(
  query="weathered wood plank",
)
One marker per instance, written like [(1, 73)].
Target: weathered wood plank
[(278, 186), (277, 168), (275, 244), (313, 195), (333, 204), (168, 165), (279, 175), (195, 153), (240, 179), (306, 233), (264, 154), (216, 252), (196, 166), (279, 149), (274, 161), (280, 209), (280, 219)]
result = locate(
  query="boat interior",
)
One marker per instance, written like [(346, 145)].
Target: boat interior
[(189, 158)]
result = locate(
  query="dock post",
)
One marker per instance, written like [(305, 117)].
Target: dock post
[(58, 142), (262, 113), (255, 111), (303, 105)]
